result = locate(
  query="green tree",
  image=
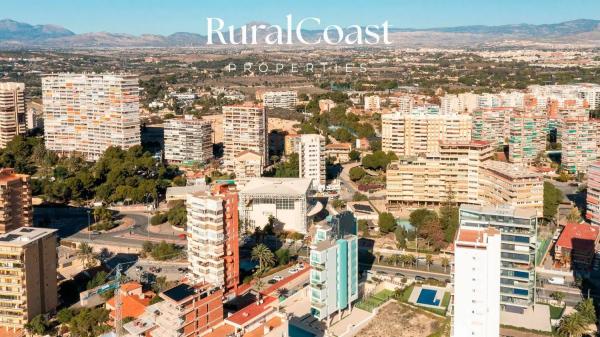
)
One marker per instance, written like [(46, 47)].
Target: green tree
[(558, 296), (354, 155), (86, 255), (38, 325), (574, 215), (263, 255), (359, 197), (386, 222), (428, 261), (356, 173), (421, 216), (587, 310), (552, 198), (65, 315), (445, 263), (449, 216), (283, 256), (572, 325), (363, 226), (400, 234), (89, 322)]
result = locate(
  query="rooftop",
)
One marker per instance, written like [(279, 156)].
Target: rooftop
[(510, 170), (252, 311), (502, 210), (476, 237), (580, 236), (282, 186), (23, 236)]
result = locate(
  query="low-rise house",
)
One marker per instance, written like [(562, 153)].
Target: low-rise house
[(577, 244)]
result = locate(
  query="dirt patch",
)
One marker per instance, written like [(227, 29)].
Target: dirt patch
[(401, 321)]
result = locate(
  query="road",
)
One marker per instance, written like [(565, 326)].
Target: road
[(133, 236)]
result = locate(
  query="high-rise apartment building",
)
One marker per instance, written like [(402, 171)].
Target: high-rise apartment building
[(213, 247), (428, 180), (491, 125), (527, 137), (188, 140), (88, 113), (312, 160), (15, 201), (287, 99), (476, 280), (420, 132), (29, 283), (334, 266), (593, 193), (244, 128), (578, 140), (13, 116), (518, 228)]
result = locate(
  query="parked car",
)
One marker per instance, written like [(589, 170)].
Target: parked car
[(419, 278), (293, 271), (278, 278), (556, 280), (272, 281)]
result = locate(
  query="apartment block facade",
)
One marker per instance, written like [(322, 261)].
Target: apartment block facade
[(578, 140), (213, 242), (312, 160), (429, 180), (88, 113), (15, 201), (188, 140), (186, 311), (13, 116), (244, 128), (29, 281), (527, 137), (476, 283), (420, 132), (593, 193), (491, 125), (278, 99), (334, 266), (518, 228)]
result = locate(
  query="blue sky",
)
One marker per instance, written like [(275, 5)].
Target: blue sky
[(166, 17)]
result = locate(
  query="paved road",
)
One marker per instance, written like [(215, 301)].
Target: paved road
[(133, 236)]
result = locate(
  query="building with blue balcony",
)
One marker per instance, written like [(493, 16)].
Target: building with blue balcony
[(334, 262), (518, 228)]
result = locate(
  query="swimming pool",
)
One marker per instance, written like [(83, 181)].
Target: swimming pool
[(295, 331), (427, 297)]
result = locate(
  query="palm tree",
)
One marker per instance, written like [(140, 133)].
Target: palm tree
[(445, 262), (587, 310), (558, 296), (428, 260), (264, 256), (86, 255), (572, 325), (258, 285)]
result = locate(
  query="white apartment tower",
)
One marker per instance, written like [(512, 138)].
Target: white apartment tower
[(476, 300), (312, 160), (12, 111), (279, 99), (188, 140), (372, 103), (88, 113), (244, 128)]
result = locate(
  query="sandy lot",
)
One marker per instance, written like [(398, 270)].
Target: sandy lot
[(401, 321)]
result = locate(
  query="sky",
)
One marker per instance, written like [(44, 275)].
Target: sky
[(167, 17)]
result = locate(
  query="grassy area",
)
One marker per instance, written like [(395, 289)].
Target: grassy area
[(556, 312), (375, 300), (541, 251), (446, 300), (406, 293)]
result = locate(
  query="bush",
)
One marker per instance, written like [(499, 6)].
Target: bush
[(356, 173), (387, 223), (158, 218), (283, 256)]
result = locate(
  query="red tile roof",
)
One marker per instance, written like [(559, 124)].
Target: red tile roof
[(252, 311), (579, 236)]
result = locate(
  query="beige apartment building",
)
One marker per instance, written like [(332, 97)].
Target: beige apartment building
[(28, 272), (312, 160), (244, 128), (504, 183), (427, 180), (467, 171), (88, 113), (420, 132), (188, 140), (247, 165), (13, 116), (15, 201)]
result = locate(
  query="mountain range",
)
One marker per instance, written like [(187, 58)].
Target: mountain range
[(15, 35)]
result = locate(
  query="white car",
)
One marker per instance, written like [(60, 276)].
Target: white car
[(293, 271), (278, 278), (557, 280)]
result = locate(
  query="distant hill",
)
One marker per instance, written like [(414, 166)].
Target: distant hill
[(15, 34)]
